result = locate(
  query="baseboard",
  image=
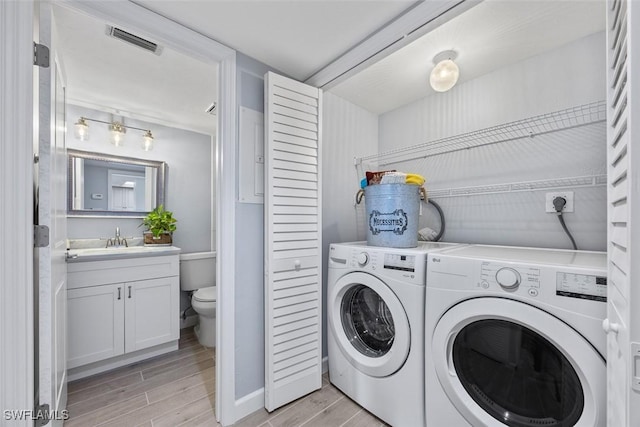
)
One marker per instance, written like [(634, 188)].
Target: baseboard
[(249, 404), (191, 320), (118, 361), (253, 402)]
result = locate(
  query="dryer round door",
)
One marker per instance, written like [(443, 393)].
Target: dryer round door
[(369, 324), (502, 362)]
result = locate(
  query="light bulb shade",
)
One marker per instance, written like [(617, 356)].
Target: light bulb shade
[(81, 130), (147, 141), (116, 134), (444, 75)]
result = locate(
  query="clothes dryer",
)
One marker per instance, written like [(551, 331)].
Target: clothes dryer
[(514, 337), (375, 310)]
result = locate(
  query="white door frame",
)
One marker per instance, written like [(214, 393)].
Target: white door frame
[(184, 40), (16, 208), (16, 109)]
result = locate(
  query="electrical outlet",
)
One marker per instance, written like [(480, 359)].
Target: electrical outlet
[(568, 196)]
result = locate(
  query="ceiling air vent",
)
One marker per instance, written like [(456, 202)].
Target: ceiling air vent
[(211, 109), (125, 36)]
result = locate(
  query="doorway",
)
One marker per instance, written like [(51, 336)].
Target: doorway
[(204, 50)]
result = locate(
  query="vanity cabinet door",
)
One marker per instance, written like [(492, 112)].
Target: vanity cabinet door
[(152, 312), (95, 317)]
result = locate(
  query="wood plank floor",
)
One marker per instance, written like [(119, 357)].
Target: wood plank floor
[(175, 389), (326, 407), (178, 389)]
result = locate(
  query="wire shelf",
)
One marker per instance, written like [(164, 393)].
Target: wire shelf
[(526, 128), (547, 184)]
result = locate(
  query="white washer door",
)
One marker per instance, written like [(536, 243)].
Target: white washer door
[(502, 362), (369, 323)]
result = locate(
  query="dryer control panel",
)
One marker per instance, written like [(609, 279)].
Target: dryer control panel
[(509, 277), (582, 286), (555, 278)]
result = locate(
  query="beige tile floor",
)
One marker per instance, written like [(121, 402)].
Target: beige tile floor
[(178, 389)]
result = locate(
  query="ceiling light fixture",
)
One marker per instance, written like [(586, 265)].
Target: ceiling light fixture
[(445, 74), (117, 131)]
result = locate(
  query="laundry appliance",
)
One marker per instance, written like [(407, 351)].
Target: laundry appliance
[(514, 337), (375, 310)]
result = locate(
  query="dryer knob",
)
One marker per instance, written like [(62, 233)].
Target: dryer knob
[(363, 258), (508, 278)]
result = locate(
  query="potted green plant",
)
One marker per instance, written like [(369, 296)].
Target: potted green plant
[(160, 225)]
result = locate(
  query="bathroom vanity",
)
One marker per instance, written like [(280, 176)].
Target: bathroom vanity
[(122, 305)]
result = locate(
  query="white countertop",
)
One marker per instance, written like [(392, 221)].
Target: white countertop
[(119, 252)]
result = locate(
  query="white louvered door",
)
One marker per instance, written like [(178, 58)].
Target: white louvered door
[(293, 253), (623, 197)]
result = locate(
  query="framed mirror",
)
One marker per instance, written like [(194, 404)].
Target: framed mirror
[(106, 185)]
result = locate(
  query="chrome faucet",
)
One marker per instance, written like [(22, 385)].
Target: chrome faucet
[(117, 241)]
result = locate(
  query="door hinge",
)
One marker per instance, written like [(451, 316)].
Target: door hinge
[(40, 55), (40, 236), (42, 415), (635, 363)]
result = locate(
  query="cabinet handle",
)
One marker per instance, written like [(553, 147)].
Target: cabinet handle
[(119, 292), (129, 291)]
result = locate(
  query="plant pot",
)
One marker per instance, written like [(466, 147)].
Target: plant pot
[(164, 239)]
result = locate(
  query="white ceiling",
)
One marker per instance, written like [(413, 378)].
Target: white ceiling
[(296, 37), (299, 37), (489, 36), (110, 75)]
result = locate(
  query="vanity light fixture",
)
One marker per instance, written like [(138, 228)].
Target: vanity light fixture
[(445, 73), (116, 134), (147, 141), (117, 131), (81, 130)]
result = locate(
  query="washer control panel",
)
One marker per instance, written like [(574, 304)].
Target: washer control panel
[(400, 262), (362, 258), (373, 260), (407, 265)]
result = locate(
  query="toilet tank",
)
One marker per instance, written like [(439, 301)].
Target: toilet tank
[(197, 270)]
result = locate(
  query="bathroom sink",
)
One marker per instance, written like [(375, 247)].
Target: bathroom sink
[(119, 252)]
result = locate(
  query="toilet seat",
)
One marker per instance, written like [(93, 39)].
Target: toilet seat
[(207, 294)]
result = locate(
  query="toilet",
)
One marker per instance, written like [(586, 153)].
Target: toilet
[(198, 275)]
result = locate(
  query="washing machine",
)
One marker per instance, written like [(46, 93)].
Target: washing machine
[(514, 337), (375, 311)]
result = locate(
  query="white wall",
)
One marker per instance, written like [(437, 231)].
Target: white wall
[(566, 77), (249, 304), (348, 131), (189, 156)]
